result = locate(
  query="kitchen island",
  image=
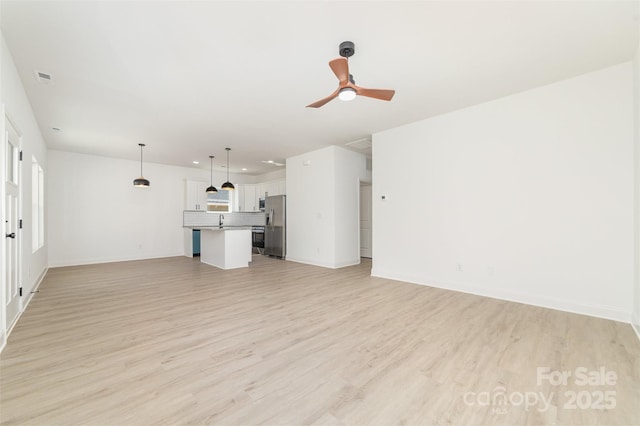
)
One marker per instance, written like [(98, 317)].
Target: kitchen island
[(225, 239), (225, 247)]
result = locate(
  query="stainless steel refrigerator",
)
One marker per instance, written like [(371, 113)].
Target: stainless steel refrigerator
[(275, 230)]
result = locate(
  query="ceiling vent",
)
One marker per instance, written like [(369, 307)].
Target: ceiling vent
[(43, 77), (362, 144)]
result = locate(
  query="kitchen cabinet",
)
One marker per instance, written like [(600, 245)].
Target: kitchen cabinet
[(249, 194), (249, 199), (260, 190), (196, 197), (246, 198)]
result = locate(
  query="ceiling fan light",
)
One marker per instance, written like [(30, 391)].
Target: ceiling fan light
[(347, 94)]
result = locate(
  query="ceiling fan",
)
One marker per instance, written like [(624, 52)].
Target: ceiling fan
[(347, 89)]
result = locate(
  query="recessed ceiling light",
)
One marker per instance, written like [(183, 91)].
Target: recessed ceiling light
[(270, 161), (196, 162), (244, 169), (56, 129)]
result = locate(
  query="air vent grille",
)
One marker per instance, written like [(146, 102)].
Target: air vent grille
[(360, 144), (43, 77)]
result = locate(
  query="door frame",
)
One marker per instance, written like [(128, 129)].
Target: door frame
[(361, 183), (6, 328)]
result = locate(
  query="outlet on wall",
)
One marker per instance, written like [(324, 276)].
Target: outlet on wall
[(459, 267)]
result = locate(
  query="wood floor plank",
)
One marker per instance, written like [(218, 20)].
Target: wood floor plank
[(173, 341)]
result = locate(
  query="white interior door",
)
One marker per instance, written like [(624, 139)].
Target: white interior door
[(365, 221), (11, 237)]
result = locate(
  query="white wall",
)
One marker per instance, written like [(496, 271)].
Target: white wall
[(278, 174), (350, 170), (636, 160), (16, 105), (97, 215), (322, 207), (531, 194), (311, 208)]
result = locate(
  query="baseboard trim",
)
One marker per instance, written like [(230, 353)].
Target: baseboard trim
[(605, 312), (43, 273), (308, 262), (93, 261), (26, 302), (312, 262), (635, 323)]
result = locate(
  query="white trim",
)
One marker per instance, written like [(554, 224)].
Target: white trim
[(27, 300), (635, 323), (336, 265), (3, 283), (29, 296), (345, 263), (95, 260), (602, 311)]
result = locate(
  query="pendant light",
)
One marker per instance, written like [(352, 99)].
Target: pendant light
[(228, 186), (211, 189), (141, 181)]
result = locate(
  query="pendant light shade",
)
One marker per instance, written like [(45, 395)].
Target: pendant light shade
[(141, 181), (228, 186), (211, 189)]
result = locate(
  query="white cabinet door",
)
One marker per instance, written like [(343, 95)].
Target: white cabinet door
[(196, 197), (271, 188), (250, 198), (261, 188), (240, 206)]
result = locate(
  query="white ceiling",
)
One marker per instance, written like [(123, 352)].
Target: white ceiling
[(191, 78)]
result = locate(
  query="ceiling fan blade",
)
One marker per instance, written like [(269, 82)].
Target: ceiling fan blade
[(323, 101), (381, 94), (340, 68)]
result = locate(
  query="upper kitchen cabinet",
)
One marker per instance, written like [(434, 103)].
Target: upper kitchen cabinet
[(267, 189), (249, 195), (249, 199), (196, 197)]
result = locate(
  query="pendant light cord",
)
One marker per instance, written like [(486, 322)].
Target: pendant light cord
[(211, 180)]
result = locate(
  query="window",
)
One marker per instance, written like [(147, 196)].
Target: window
[(219, 201), (37, 205)]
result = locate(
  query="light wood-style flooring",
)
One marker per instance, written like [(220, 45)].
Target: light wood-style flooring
[(173, 341)]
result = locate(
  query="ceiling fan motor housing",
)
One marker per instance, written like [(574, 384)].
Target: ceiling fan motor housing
[(347, 49)]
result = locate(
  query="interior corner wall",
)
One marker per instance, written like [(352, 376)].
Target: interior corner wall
[(526, 198), (16, 106), (351, 168), (311, 208), (323, 221), (96, 215)]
